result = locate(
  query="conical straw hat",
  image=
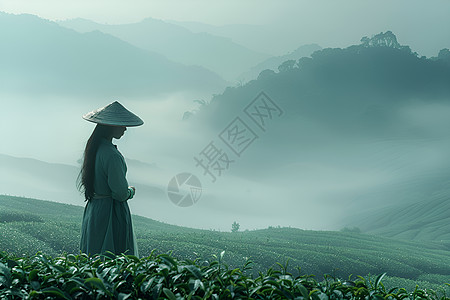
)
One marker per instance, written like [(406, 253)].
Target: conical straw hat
[(113, 114)]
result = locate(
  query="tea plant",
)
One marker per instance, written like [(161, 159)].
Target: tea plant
[(165, 277), (317, 252)]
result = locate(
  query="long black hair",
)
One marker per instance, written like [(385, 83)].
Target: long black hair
[(85, 181)]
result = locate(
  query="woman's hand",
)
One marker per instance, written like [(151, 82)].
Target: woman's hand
[(131, 191)]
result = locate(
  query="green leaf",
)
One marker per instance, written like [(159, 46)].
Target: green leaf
[(392, 290), (119, 284), (134, 258), (168, 259), (194, 270), (169, 294), (6, 278), (58, 268), (147, 285), (33, 275), (139, 279), (156, 291), (303, 291), (12, 263), (314, 296), (378, 280), (54, 291), (197, 284), (16, 292), (35, 285), (272, 282), (78, 281), (33, 294), (95, 282), (255, 290), (123, 296)]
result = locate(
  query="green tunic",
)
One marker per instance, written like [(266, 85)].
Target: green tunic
[(107, 220)]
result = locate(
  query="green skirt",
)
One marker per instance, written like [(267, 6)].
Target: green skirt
[(107, 227)]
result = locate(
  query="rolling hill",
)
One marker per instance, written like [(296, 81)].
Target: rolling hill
[(40, 57), (363, 128), (274, 62), (28, 177), (427, 220), (33, 178), (252, 36), (29, 225), (339, 85), (179, 44)]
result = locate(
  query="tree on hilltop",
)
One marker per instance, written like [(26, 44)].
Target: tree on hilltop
[(235, 227), (444, 54), (387, 39), (287, 65)]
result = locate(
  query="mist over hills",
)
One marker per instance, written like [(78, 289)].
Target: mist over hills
[(428, 219), (179, 44), (255, 36), (362, 72), (251, 36), (40, 57), (274, 62), (363, 127), (340, 88), (30, 177), (27, 177)]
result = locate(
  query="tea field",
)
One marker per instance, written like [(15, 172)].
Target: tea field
[(28, 226)]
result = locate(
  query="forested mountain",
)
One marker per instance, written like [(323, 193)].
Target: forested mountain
[(372, 73), (361, 128), (274, 62)]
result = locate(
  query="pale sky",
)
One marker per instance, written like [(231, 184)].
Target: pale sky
[(424, 25), (220, 12), (120, 11)]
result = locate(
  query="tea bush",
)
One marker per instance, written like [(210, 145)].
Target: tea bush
[(165, 277), (15, 216)]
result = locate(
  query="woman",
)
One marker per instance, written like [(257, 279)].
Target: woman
[(107, 220)]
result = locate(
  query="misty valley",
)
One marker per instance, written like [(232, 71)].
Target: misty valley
[(320, 173)]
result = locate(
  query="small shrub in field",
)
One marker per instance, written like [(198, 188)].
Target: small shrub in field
[(12, 216)]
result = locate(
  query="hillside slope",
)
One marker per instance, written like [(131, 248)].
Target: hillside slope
[(33, 178), (179, 44), (274, 62), (40, 57), (427, 220), (360, 129), (27, 177), (29, 225)]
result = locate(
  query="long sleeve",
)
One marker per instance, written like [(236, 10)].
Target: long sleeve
[(110, 173), (116, 172)]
